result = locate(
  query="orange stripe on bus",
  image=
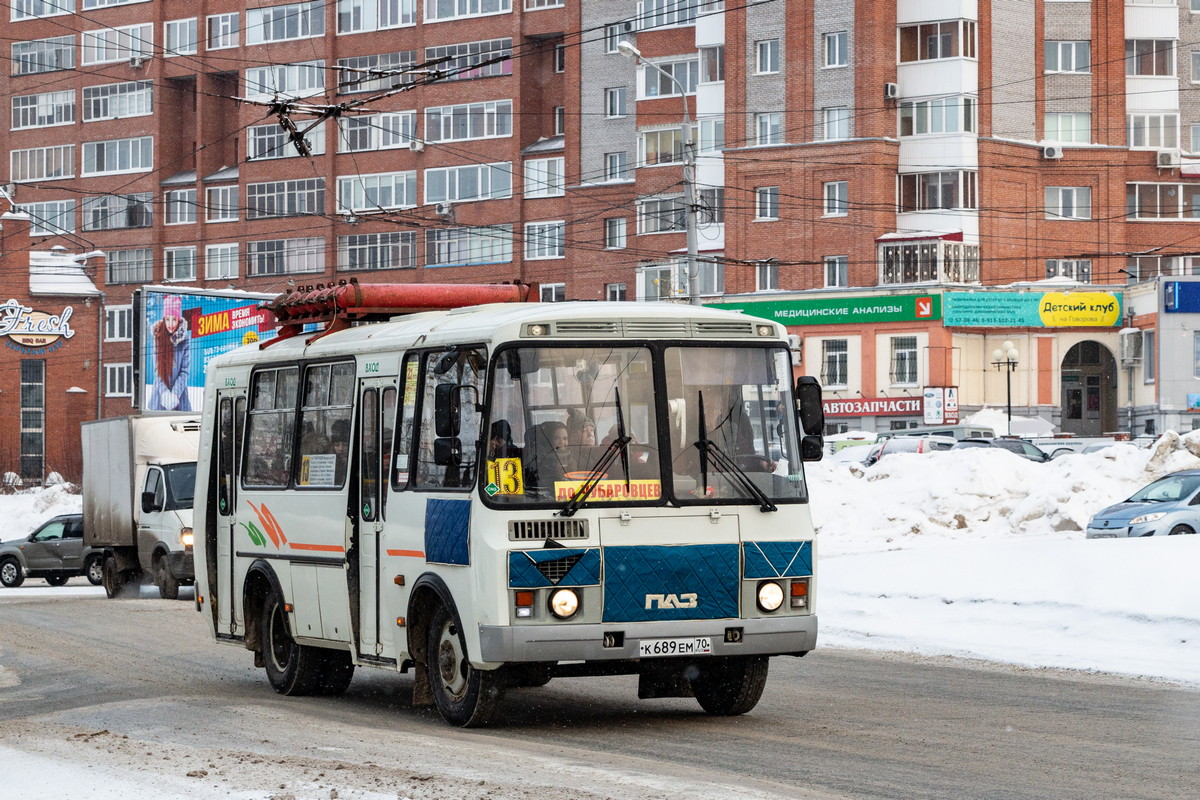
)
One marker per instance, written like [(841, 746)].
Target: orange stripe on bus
[(332, 548), (410, 553)]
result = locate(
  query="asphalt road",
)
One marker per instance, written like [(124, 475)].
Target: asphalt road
[(137, 685)]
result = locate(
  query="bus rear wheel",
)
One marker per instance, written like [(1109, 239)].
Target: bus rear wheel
[(465, 696), (727, 687), (292, 669)]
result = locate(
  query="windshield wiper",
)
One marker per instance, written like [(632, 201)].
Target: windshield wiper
[(597, 472), (708, 449)]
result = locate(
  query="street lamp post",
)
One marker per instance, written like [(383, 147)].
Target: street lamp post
[(628, 50), (1005, 358)]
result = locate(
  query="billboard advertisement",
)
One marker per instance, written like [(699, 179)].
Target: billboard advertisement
[(181, 331)]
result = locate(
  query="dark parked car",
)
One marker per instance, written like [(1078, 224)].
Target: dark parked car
[(1022, 448), (55, 551), (1168, 507)]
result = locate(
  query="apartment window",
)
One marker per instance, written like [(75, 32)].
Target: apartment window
[(1148, 360), (1196, 354), (617, 32), (456, 9), (552, 292), (1195, 138), (108, 45), (285, 23), (33, 9), (118, 380), (686, 74), (1069, 127), (835, 362), (464, 61), (1163, 200), (50, 217), (180, 206), (1153, 130), (931, 190), (109, 212), (33, 418), (766, 59), (1077, 269), (130, 266), (836, 198), (223, 31), (43, 110), (180, 37), (661, 283), (118, 100), (42, 163), (285, 256), (616, 292), (545, 240), (43, 55), (387, 131), (1150, 57), (768, 128), (837, 50), (940, 115), (766, 202), (614, 233), (544, 177), (221, 261), (712, 64), (712, 134), (616, 166), (377, 191), (837, 271), (468, 182), (660, 13), (661, 215), (936, 40), (90, 4), (836, 122), (560, 120), (221, 203), (766, 276), (301, 79), (376, 73), (359, 16), (488, 120), (1074, 56), (179, 264), (615, 102), (271, 141), (711, 208), (118, 323), (489, 244), (926, 260), (371, 251), (560, 50), (904, 361), (1068, 202), (285, 198), (660, 147)]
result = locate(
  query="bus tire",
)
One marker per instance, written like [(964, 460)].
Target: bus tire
[(464, 696), (292, 669), (730, 686), (337, 669)]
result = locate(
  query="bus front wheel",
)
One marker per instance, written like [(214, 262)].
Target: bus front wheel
[(292, 669), (730, 686), (465, 696)]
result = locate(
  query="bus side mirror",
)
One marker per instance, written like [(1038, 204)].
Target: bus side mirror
[(447, 451), (446, 410), (810, 415)]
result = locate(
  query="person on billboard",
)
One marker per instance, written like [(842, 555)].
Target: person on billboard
[(172, 344)]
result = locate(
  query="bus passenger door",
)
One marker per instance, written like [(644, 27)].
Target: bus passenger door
[(231, 416), (378, 404)]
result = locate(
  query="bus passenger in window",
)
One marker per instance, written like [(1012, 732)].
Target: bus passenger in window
[(551, 457), (500, 441), (340, 444)]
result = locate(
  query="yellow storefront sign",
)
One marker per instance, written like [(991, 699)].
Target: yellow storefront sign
[(1079, 309)]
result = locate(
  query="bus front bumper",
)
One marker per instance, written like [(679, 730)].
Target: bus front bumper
[(614, 642)]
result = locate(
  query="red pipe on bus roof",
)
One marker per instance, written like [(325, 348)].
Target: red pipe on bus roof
[(357, 300)]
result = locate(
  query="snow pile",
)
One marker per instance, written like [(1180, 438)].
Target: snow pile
[(23, 511)]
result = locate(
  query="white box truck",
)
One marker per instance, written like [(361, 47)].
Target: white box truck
[(139, 477)]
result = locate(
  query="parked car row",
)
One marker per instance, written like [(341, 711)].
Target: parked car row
[(55, 551)]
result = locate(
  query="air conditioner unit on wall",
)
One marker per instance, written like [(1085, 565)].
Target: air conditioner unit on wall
[(891, 91), (1052, 151), (1130, 347), (1166, 159), (796, 345), (416, 145)]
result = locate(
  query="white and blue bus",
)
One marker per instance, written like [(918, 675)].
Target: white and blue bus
[(496, 495)]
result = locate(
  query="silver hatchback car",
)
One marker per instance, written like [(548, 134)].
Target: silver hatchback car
[(1168, 507)]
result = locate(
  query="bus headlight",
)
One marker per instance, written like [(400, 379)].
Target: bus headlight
[(770, 596), (185, 537), (564, 603)]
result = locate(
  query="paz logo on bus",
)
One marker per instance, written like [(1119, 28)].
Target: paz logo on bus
[(660, 601)]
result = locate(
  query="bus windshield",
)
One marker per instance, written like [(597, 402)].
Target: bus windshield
[(566, 420)]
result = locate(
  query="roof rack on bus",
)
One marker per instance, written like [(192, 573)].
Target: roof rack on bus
[(338, 305)]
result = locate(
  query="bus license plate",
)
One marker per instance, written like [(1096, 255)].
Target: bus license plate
[(650, 648)]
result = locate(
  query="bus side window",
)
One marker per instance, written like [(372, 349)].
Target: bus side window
[(466, 369), (404, 432), (369, 456), (225, 459), (325, 425), (270, 427), (387, 421)]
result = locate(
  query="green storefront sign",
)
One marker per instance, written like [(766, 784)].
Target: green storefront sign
[(835, 310)]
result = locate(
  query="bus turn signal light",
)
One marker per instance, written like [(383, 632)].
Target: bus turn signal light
[(524, 604), (799, 594)]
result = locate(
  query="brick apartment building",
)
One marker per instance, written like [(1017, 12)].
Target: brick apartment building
[(840, 148)]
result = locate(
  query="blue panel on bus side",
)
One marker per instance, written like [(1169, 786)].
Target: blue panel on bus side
[(644, 584), (447, 523), (776, 560), (536, 569)]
